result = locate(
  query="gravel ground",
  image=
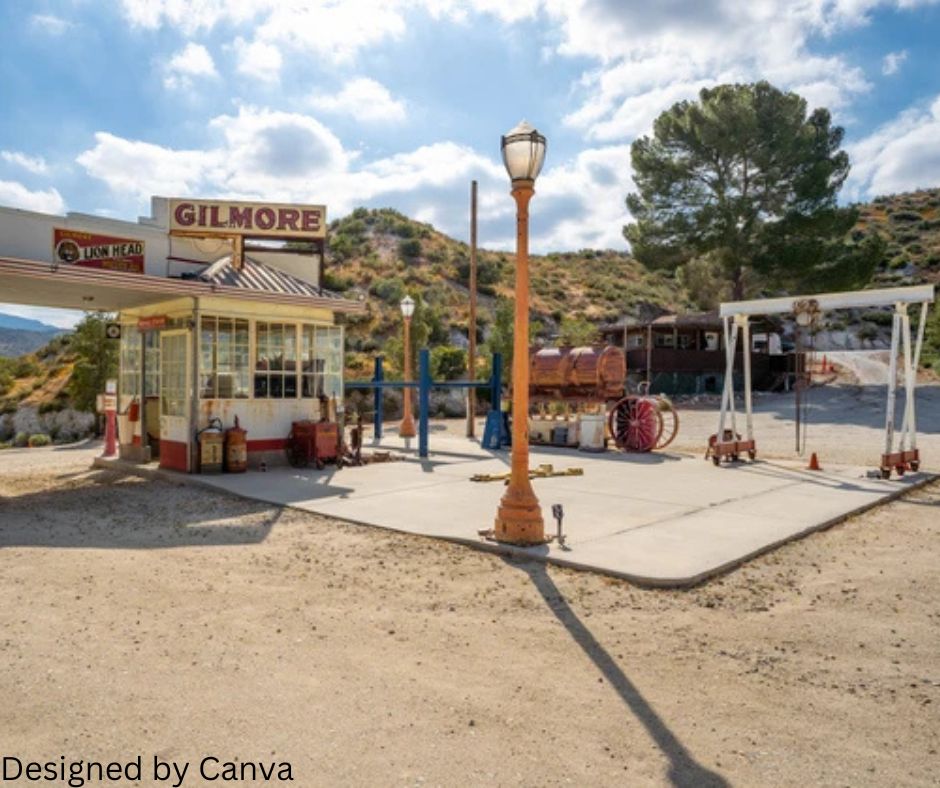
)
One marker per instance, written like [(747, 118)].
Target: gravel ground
[(152, 619)]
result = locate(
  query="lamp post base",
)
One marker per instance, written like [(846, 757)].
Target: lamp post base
[(407, 428), (519, 519)]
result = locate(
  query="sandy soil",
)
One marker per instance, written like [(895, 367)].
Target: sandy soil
[(145, 618)]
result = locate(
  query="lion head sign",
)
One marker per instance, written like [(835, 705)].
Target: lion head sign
[(91, 250)]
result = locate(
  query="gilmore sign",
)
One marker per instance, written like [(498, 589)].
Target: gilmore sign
[(217, 217)]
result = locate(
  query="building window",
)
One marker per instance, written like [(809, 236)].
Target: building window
[(152, 367), (223, 362), (275, 360), (685, 341), (321, 361), (130, 361), (664, 340), (173, 389)]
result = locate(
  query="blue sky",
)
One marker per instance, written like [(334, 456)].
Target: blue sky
[(401, 102)]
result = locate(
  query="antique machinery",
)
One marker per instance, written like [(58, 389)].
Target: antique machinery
[(585, 376)]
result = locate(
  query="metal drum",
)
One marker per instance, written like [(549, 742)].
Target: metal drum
[(236, 449), (573, 373)]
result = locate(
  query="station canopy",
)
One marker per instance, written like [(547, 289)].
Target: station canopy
[(47, 284)]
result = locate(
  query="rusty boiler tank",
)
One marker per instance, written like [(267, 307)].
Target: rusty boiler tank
[(590, 373)]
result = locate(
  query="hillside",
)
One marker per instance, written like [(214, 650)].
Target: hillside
[(20, 335), (17, 341), (383, 254), (910, 224)]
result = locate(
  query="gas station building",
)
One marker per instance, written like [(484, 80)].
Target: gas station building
[(221, 314)]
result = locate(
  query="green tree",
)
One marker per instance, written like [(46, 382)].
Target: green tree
[(96, 360), (747, 177), (502, 331), (576, 332)]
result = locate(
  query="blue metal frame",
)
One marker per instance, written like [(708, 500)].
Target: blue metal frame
[(424, 384)]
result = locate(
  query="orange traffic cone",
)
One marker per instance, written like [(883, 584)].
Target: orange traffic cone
[(814, 463)]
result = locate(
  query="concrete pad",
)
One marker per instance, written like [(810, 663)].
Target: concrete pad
[(655, 519)]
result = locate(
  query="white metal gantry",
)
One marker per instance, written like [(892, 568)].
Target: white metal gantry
[(735, 315)]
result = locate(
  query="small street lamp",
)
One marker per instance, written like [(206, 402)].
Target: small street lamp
[(519, 517), (407, 428)]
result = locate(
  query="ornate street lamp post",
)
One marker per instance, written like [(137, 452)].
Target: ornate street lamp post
[(519, 517), (407, 428)]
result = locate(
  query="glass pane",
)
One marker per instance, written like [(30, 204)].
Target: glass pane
[(241, 333)]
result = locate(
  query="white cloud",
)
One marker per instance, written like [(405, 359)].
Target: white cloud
[(584, 201), (278, 155), (365, 99), (142, 169), (686, 45), (191, 16), (34, 164), (264, 154), (892, 62), (902, 155), (258, 59), (191, 61), (52, 25), (16, 195)]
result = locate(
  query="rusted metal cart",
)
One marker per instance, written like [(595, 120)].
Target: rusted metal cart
[(317, 442)]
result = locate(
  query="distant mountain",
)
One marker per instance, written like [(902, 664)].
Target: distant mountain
[(25, 324)]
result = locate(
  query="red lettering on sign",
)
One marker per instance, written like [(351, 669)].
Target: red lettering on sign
[(214, 220), (202, 216), (310, 220), (265, 218), (287, 218), (185, 214), (239, 217)]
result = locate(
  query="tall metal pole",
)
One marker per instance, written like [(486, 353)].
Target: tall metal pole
[(407, 428), (472, 331), (519, 517)]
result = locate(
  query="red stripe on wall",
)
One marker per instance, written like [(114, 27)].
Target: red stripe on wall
[(173, 455), (269, 444)]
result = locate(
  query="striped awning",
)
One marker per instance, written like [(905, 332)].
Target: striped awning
[(255, 275)]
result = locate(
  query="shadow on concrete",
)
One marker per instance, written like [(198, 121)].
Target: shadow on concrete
[(684, 770), (53, 518)]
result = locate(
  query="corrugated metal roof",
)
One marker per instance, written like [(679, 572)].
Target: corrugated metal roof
[(255, 275)]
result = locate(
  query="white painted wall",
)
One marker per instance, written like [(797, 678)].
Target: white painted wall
[(28, 235)]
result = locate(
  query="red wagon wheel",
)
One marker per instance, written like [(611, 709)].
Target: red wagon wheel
[(670, 417), (635, 424)]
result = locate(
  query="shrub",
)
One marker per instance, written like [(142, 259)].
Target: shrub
[(37, 440), (390, 290), (905, 216), (448, 363), (25, 367), (410, 249), (878, 317), (21, 439)]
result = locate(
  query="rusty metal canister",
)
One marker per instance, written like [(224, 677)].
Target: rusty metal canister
[(236, 449), (211, 451)]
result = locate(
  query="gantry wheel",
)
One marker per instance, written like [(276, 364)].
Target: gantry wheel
[(636, 424)]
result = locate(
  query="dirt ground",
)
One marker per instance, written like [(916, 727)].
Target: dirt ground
[(146, 618)]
